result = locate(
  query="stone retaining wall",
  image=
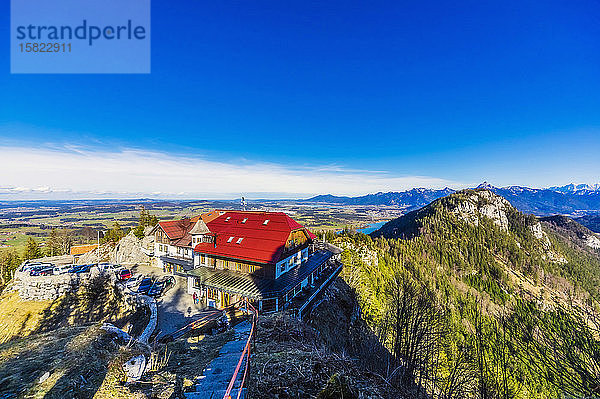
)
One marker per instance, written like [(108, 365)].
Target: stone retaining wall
[(43, 288)]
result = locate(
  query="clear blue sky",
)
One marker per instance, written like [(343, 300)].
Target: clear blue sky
[(459, 92)]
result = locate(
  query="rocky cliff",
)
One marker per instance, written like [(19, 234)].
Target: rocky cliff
[(130, 250)]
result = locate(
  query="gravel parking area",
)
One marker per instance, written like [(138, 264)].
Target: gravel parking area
[(176, 308)]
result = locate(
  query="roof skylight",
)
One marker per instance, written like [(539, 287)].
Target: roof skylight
[(230, 239), (266, 221), (239, 240), (245, 220)]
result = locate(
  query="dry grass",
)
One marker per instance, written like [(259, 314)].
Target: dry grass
[(187, 358), (291, 361), (20, 318), (83, 362), (95, 302)]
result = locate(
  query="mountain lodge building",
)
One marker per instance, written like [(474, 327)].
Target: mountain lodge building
[(226, 255)]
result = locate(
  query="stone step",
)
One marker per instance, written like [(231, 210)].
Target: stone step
[(216, 376), (217, 394), (233, 346)]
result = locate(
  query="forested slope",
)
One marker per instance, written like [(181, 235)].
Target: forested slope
[(475, 299)]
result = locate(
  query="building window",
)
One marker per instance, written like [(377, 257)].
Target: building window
[(244, 220), (227, 218), (197, 283), (230, 239), (266, 222), (239, 240), (212, 293)]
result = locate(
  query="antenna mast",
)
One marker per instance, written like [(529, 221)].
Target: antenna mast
[(243, 204)]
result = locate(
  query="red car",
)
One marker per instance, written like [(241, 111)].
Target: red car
[(124, 274)]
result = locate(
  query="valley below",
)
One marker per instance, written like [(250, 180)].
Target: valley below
[(464, 297)]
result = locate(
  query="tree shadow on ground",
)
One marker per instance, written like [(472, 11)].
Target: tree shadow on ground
[(68, 343), (75, 358)]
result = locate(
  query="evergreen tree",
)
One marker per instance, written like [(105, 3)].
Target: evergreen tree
[(9, 261), (145, 220), (32, 249), (53, 244), (115, 233)]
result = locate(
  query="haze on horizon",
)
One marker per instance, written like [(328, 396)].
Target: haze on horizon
[(290, 100)]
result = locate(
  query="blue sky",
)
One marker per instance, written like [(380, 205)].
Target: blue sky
[(299, 98)]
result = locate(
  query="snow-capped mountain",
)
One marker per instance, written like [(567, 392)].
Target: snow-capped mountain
[(569, 199), (576, 188)]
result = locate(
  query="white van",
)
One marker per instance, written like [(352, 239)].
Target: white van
[(61, 269), (110, 267)]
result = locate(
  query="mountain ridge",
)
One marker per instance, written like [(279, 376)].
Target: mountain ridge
[(570, 199)]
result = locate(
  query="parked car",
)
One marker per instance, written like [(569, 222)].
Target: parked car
[(40, 270), (80, 269), (145, 285), (47, 271), (28, 266), (36, 270), (110, 267), (84, 269), (75, 268), (61, 269), (160, 287), (124, 274), (157, 289), (168, 282), (134, 281)]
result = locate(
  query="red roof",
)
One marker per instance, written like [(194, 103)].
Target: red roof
[(82, 249), (176, 229), (262, 243)]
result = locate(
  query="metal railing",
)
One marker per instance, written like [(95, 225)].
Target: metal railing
[(245, 354), (310, 300)]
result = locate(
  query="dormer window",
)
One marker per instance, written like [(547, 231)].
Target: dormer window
[(239, 240), (266, 222), (245, 220), (230, 239)]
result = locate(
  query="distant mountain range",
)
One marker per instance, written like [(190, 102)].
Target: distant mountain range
[(570, 199)]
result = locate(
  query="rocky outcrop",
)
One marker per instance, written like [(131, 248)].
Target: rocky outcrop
[(592, 241), (484, 203), (573, 230), (92, 256), (130, 250)]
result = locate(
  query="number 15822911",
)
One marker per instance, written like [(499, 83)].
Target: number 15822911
[(45, 47)]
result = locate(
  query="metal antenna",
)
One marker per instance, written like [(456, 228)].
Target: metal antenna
[(243, 203)]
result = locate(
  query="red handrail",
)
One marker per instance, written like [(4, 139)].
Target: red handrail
[(245, 353)]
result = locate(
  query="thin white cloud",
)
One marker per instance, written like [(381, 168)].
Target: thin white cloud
[(76, 172)]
